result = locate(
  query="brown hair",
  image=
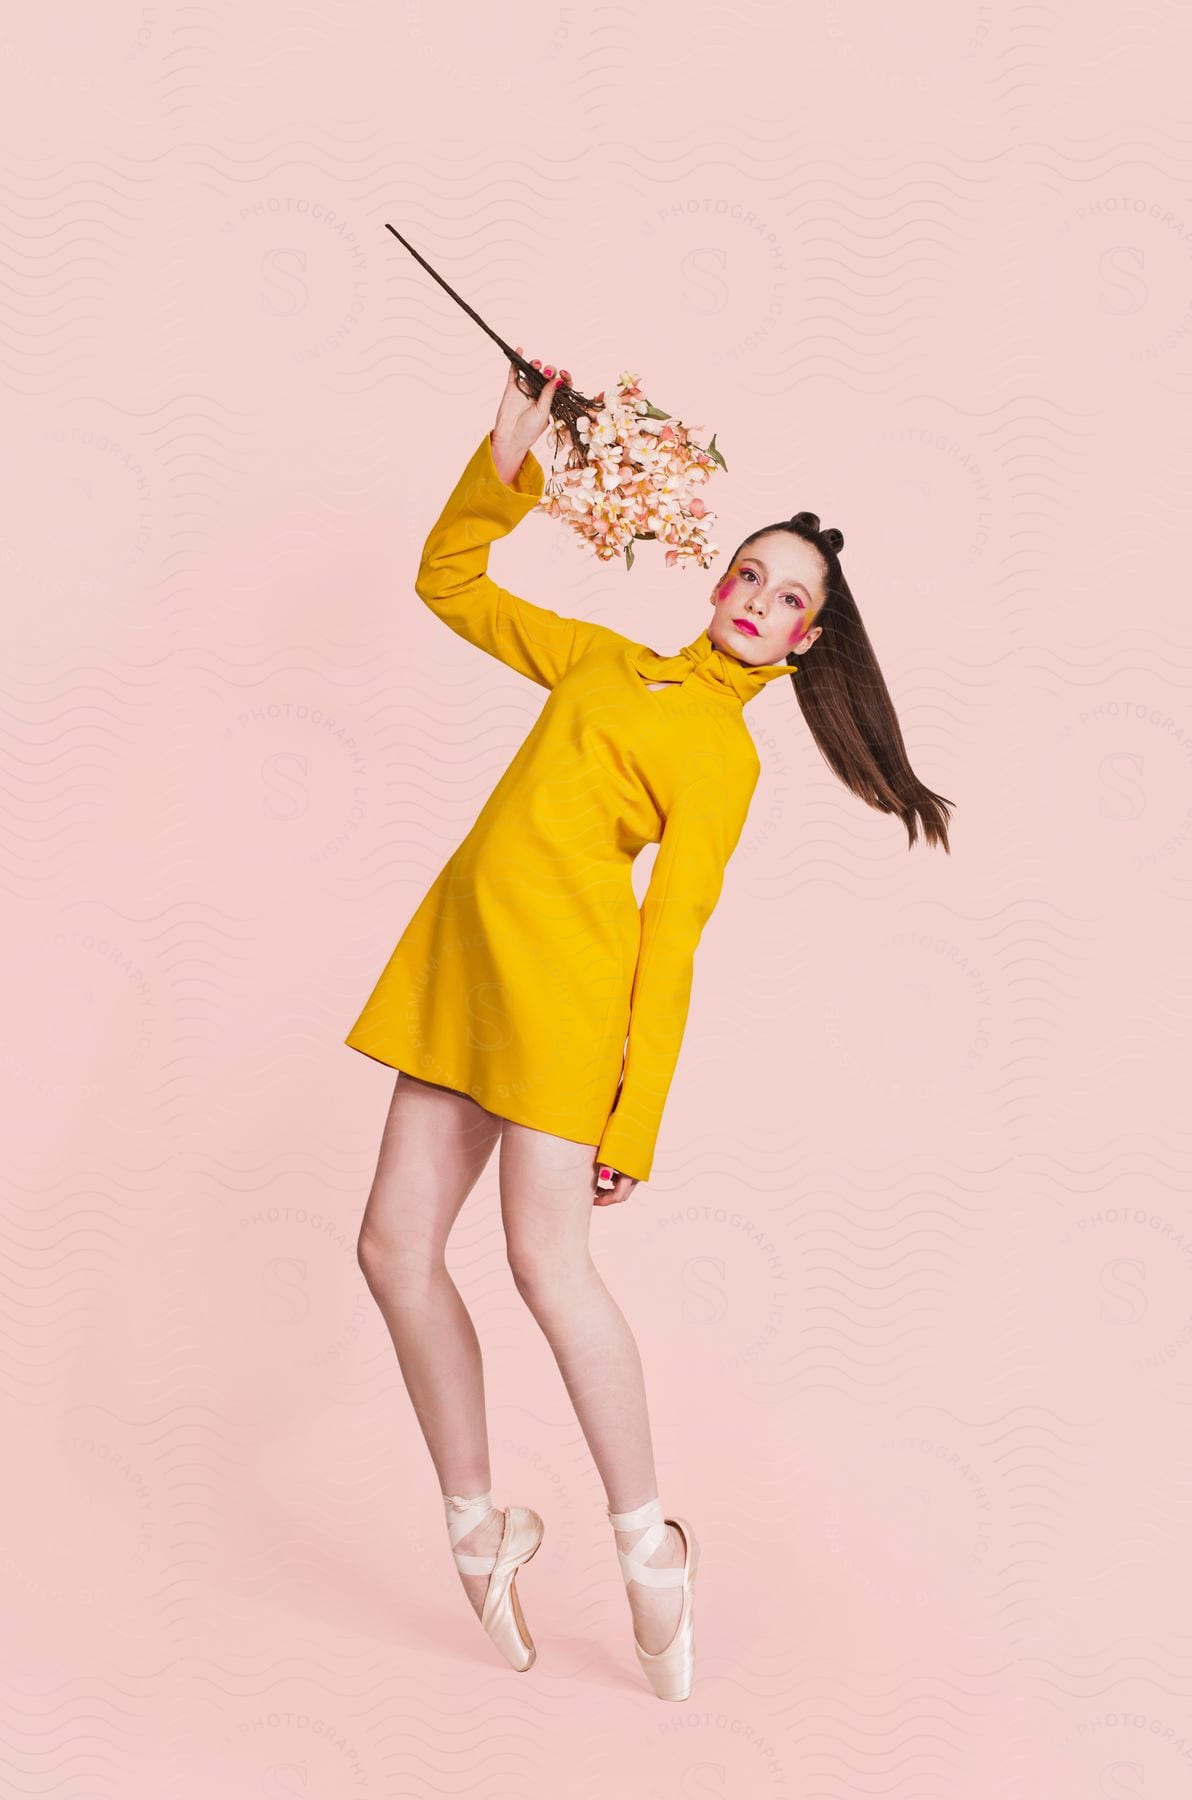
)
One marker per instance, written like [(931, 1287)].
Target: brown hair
[(846, 703)]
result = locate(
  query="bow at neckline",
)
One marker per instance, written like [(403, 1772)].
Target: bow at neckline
[(708, 663)]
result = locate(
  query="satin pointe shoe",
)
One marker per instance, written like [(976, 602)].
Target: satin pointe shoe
[(671, 1671), (502, 1616)]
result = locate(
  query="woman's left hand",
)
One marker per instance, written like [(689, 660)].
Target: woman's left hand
[(620, 1190)]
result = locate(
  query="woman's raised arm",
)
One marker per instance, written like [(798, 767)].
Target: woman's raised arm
[(453, 576)]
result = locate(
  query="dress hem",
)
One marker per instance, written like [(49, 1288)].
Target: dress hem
[(457, 1087)]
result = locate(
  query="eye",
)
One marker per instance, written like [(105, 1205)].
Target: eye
[(797, 598)]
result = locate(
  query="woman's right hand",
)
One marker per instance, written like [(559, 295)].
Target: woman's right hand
[(521, 420), (622, 1186)]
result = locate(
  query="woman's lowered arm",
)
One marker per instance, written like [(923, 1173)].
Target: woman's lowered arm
[(700, 834)]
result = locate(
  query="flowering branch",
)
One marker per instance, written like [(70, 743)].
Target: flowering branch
[(638, 479), (632, 470)]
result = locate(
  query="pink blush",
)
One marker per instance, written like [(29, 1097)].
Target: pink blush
[(725, 589)]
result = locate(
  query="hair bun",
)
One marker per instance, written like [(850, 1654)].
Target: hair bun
[(809, 521)]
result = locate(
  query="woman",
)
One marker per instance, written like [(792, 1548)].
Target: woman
[(531, 1001)]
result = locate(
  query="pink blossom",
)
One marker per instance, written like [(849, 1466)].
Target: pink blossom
[(638, 479)]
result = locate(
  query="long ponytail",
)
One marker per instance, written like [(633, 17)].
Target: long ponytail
[(844, 699)]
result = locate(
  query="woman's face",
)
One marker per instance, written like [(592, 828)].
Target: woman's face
[(766, 604)]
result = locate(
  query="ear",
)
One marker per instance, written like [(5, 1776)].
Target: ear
[(804, 644)]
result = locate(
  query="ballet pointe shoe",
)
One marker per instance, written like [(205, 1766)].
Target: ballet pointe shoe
[(670, 1671), (502, 1616)]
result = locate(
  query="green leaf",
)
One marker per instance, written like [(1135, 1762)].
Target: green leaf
[(629, 556), (653, 412), (714, 453)]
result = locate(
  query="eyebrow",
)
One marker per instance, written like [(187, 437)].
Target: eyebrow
[(761, 565)]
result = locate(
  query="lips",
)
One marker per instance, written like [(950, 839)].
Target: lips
[(746, 625)]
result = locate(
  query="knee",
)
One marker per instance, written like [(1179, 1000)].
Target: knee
[(371, 1256), (395, 1260), (542, 1272), (368, 1251)]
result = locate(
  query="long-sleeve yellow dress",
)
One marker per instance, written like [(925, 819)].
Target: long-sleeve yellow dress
[(528, 977)]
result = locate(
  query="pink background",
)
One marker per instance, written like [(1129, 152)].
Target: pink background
[(913, 1278)]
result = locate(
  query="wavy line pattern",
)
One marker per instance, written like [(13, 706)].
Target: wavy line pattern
[(911, 1281)]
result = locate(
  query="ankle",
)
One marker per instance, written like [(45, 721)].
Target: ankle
[(636, 1518), (465, 1513), (667, 1552), (646, 1536)]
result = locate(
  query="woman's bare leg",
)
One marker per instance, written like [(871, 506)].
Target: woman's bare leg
[(434, 1146), (546, 1206)]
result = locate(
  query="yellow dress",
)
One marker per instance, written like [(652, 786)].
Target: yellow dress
[(528, 977)]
